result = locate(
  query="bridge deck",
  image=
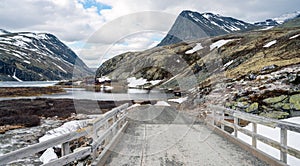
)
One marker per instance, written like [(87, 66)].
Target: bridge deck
[(161, 136)]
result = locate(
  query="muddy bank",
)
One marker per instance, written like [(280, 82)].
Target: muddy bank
[(28, 112), (29, 91)]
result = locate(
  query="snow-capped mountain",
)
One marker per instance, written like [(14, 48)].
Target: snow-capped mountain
[(37, 56), (285, 17), (191, 25), (278, 20)]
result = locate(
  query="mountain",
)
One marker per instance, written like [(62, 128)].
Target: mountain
[(278, 20), (37, 56), (256, 71), (191, 25)]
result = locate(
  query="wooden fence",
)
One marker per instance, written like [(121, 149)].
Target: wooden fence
[(102, 130), (219, 118)]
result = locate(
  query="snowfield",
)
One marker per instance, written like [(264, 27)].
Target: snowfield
[(270, 43), (219, 43)]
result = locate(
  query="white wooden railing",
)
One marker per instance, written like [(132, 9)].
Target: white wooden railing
[(217, 118), (102, 130)]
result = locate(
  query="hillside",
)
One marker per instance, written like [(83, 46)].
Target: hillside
[(254, 71), (37, 56)]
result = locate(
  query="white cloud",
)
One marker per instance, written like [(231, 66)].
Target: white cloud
[(74, 24)]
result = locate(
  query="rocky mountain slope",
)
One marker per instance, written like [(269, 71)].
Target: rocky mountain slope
[(257, 71), (37, 56), (191, 25)]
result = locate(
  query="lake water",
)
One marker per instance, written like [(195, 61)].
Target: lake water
[(81, 93)]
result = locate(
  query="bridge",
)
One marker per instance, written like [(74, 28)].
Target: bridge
[(161, 135)]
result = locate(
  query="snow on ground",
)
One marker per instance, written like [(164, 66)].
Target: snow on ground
[(270, 43), (60, 67), (274, 133), (162, 103), (295, 36), (65, 128), (16, 78), (133, 82), (26, 61), (48, 155), (219, 43), (196, 48), (103, 79), (179, 100)]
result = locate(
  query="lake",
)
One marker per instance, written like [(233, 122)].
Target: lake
[(81, 93)]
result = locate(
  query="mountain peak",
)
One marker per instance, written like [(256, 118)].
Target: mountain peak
[(2, 31), (191, 25)]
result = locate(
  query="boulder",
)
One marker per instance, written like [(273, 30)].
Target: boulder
[(295, 101), (273, 100), (252, 108), (275, 114)]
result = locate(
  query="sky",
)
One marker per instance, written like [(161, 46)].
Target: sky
[(99, 29)]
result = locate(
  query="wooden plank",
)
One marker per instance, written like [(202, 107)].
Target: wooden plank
[(291, 151), (101, 159), (106, 133), (283, 142), (32, 149), (86, 151), (259, 119)]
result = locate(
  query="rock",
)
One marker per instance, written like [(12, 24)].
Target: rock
[(275, 114), (274, 99), (269, 68), (295, 101), (282, 106), (252, 108), (242, 104), (252, 76)]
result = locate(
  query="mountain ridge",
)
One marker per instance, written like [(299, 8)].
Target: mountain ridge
[(31, 56)]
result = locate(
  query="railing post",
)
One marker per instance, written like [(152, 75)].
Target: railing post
[(236, 123), (254, 129), (283, 142), (213, 116), (65, 149), (222, 119)]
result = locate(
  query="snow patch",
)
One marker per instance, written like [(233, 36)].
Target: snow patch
[(15, 77), (220, 43), (134, 83), (64, 129), (270, 43), (274, 133), (27, 61), (295, 36), (60, 67), (48, 155), (162, 103), (196, 48), (179, 100)]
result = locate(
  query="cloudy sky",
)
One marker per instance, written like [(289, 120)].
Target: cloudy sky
[(98, 29)]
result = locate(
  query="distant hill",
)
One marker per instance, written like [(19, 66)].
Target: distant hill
[(26, 56)]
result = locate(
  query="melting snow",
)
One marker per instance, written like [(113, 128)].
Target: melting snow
[(60, 67), (295, 36), (48, 155), (162, 103), (179, 100), (220, 43), (133, 82), (26, 61), (270, 43), (274, 133), (196, 48), (16, 78)]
